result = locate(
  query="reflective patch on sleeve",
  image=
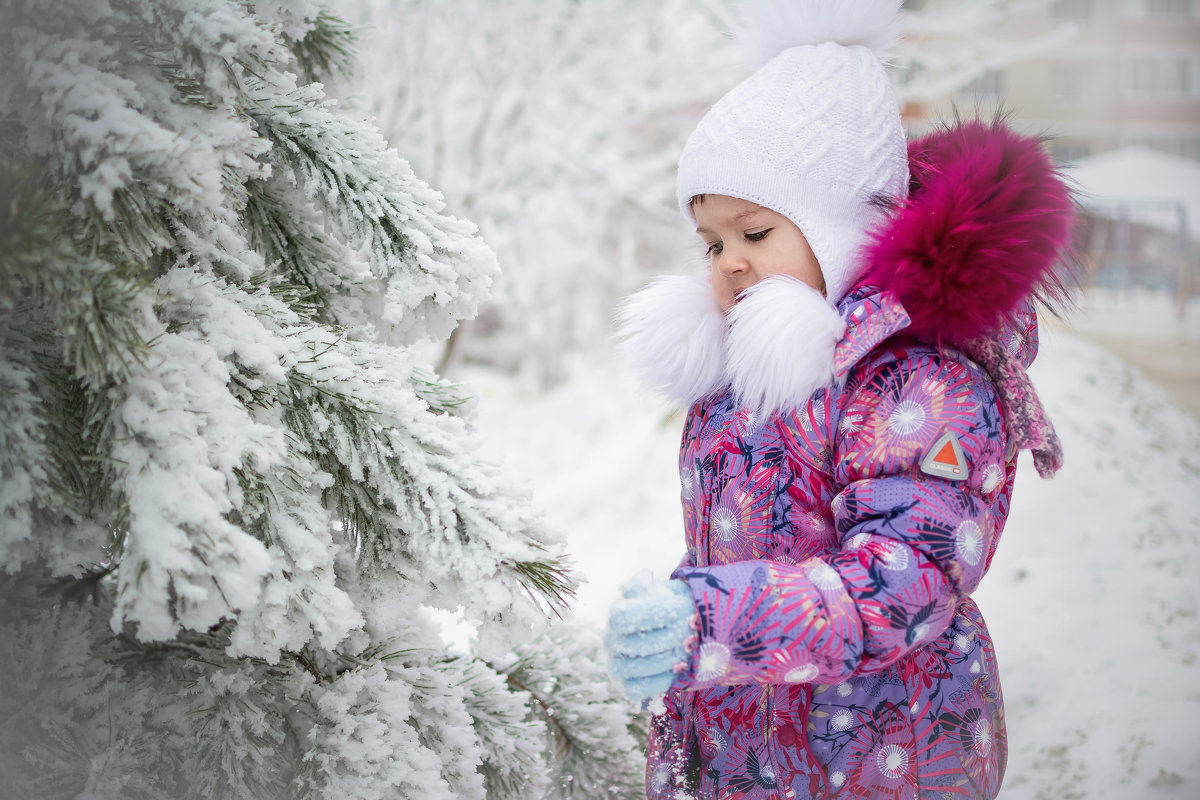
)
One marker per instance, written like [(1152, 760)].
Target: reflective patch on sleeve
[(945, 459)]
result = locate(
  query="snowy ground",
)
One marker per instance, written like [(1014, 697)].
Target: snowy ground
[(1092, 598)]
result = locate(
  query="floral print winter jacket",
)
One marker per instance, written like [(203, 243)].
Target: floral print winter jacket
[(838, 651)]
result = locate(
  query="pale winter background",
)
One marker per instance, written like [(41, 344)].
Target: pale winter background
[(556, 128)]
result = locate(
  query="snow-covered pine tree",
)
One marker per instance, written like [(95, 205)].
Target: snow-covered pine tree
[(228, 490)]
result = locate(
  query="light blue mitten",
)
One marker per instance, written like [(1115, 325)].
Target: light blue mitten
[(646, 634)]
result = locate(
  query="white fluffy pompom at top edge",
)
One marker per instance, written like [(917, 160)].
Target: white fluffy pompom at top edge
[(780, 345), (772, 26), (673, 334)]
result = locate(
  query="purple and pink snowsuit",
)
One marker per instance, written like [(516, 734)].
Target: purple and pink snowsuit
[(838, 652)]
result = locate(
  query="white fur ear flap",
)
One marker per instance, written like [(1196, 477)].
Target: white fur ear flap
[(779, 348), (777, 25), (673, 334)]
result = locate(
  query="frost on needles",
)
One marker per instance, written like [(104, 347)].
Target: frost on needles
[(227, 488)]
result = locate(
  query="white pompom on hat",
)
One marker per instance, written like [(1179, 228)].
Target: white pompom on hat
[(814, 133)]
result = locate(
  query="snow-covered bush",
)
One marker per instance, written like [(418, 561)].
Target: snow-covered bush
[(555, 125), (229, 490)]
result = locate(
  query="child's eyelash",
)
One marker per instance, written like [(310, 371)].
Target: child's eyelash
[(715, 248)]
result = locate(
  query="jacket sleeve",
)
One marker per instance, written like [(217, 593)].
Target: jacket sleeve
[(910, 545)]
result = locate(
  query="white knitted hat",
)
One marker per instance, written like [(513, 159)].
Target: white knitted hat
[(814, 134)]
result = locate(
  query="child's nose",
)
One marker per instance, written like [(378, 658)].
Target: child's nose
[(733, 263)]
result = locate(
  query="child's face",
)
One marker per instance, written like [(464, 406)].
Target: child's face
[(747, 243)]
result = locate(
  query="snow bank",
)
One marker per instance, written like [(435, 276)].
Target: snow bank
[(1092, 597)]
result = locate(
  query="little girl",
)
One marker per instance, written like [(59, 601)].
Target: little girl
[(854, 370)]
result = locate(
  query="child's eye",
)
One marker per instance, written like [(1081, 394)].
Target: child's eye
[(714, 249), (756, 236)]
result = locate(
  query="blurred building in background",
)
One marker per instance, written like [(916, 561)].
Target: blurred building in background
[(1115, 85), (1122, 73)]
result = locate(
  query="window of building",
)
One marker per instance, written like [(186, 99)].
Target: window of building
[(1160, 10), (1078, 12), (1172, 9), (1068, 151), (908, 73), (1161, 77), (987, 87), (1070, 83)]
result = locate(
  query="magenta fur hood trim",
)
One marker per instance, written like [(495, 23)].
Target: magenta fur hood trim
[(984, 229)]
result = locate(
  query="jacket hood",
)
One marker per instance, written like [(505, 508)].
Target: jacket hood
[(983, 231), (959, 262)]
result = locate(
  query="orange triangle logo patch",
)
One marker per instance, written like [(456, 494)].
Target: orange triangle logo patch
[(946, 459), (946, 455)]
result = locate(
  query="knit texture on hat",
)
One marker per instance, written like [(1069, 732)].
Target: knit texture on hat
[(815, 135)]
